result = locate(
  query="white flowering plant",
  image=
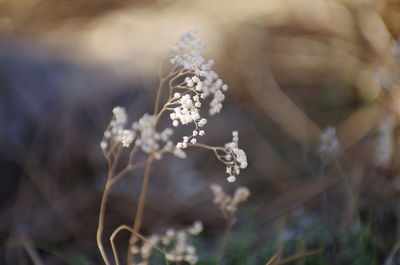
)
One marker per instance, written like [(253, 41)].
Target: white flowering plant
[(189, 85)]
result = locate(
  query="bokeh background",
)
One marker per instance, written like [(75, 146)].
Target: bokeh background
[(293, 67)]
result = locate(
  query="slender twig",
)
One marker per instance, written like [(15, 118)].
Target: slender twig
[(146, 178), (348, 185), (126, 170), (117, 156), (392, 253), (301, 256), (140, 208), (100, 227), (272, 260), (158, 96), (32, 253), (224, 241)]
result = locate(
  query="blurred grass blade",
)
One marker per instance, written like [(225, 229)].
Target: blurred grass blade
[(301, 256), (272, 260)]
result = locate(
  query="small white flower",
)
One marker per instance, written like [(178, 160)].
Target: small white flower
[(231, 179), (127, 137), (107, 134), (171, 232), (202, 122), (178, 152), (120, 115), (196, 229)]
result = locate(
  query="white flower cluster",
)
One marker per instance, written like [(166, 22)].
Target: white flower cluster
[(233, 157), (329, 144), (116, 131), (226, 203), (141, 133), (200, 83), (385, 142), (175, 242)]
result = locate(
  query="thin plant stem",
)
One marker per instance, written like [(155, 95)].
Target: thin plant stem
[(158, 96), (32, 253), (142, 199), (116, 159), (392, 253), (272, 259), (140, 209), (301, 256), (223, 242), (100, 227), (124, 172), (349, 188)]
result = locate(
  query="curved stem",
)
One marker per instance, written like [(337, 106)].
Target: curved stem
[(101, 222), (158, 96), (125, 227), (114, 250)]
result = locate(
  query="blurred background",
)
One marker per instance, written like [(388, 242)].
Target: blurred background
[(294, 67)]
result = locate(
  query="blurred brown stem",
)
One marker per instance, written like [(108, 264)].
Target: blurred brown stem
[(32, 253), (101, 222), (140, 209), (271, 260), (224, 241), (301, 256), (349, 187)]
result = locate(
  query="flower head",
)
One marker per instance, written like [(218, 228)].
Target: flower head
[(226, 203), (233, 157), (200, 83)]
